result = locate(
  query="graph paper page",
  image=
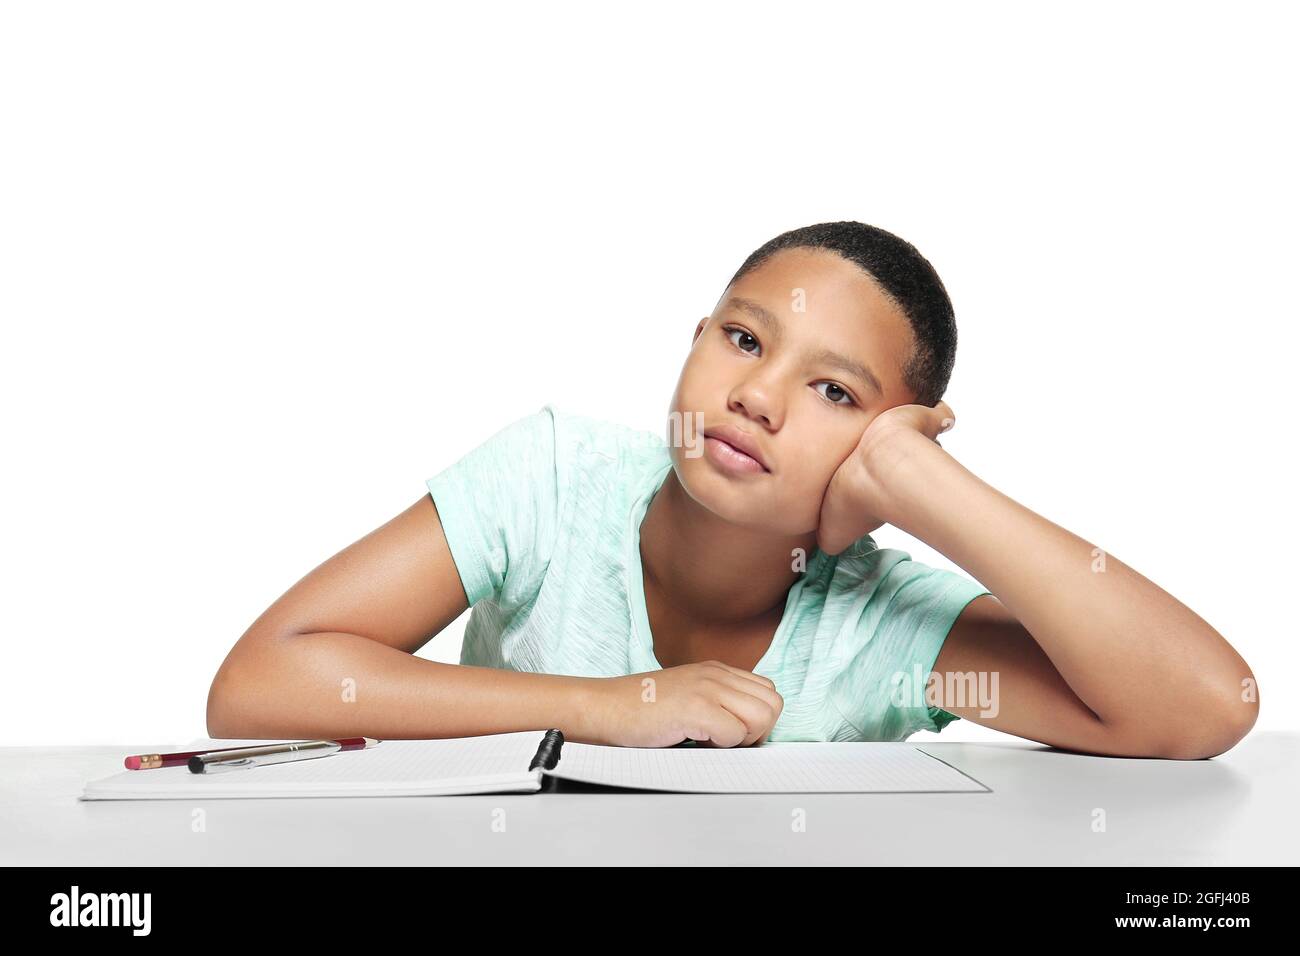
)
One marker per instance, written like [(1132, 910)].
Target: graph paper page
[(814, 767)]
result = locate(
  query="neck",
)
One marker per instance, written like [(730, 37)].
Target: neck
[(711, 570)]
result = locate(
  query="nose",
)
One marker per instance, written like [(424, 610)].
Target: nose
[(755, 400)]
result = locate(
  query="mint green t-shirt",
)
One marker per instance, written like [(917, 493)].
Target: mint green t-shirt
[(543, 520)]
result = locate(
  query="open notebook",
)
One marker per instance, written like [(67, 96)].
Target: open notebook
[(520, 762)]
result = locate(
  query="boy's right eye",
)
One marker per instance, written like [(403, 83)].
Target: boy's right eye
[(731, 330)]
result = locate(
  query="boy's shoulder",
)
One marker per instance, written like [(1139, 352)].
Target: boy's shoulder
[(577, 432)]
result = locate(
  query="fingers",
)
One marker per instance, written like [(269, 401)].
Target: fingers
[(744, 711), (719, 728), (942, 419), (749, 675), (763, 693), (741, 719)]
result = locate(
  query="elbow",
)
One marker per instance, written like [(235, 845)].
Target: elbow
[(1211, 736), (1229, 712), (219, 723), (228, 711), (252, 695)]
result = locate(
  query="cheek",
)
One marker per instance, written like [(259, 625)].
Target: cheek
[(690, 393), (803, 485), (818, 452)]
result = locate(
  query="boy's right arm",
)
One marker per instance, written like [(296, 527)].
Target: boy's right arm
[(334, 656)]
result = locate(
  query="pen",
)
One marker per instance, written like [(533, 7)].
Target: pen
[(240, 758), (182, 758)]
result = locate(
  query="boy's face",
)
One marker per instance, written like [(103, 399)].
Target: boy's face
[(773, 380)]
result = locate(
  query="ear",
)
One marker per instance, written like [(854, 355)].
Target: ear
[(700, 328)]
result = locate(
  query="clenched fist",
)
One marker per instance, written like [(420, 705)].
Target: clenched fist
[(710, 702)]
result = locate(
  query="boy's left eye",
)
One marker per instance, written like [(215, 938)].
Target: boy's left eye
[(838, 389), (840, 392)]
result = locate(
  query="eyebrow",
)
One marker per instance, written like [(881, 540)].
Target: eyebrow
[(824, 356)]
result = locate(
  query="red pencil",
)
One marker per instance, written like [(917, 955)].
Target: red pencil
[(153, 761)]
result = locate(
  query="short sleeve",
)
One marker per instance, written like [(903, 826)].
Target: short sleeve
[(499, 509), (924, 608), (905, 623)]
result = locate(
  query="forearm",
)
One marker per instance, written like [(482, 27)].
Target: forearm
[(1131, 652), (328, 685)]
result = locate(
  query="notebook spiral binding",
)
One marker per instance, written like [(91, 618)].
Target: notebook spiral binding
[(548, 751)]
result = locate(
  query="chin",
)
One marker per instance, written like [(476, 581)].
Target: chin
[(739, 502)]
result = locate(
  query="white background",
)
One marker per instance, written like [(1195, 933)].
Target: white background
[(265, 267)]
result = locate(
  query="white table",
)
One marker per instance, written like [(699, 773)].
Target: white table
[(1236, 809)]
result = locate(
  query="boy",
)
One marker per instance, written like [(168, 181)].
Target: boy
[(723, 586)]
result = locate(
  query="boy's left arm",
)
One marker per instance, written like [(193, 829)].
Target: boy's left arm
[(1088, 654)]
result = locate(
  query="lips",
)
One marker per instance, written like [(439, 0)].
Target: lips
[(740, 440)]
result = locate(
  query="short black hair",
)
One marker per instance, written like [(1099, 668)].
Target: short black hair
[(907, 278)]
